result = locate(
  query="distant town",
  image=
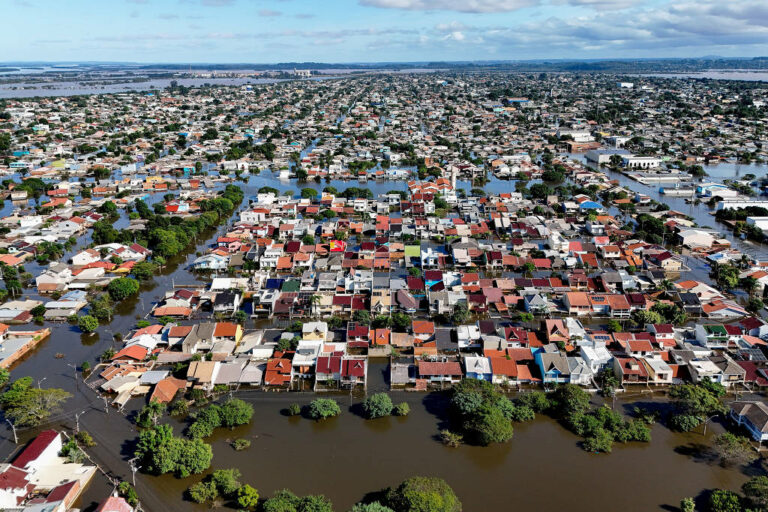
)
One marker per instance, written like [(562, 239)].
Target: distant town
[(192, 271)]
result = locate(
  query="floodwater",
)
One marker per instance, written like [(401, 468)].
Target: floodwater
[(746, 75), (78, 88), (347, 457)]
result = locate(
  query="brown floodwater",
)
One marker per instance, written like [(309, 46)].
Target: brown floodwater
[(542, 468)]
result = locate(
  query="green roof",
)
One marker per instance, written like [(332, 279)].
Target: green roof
[(291, 285), (412, 251)]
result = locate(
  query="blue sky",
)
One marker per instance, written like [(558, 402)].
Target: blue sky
[(267, 31)]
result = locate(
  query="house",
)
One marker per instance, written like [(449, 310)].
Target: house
[(752, 415), (553, 365), (630, 370), (659, 372), (712, 336), (314, 331), (227, 302), (595, 355), (536, 304), (440, 371), (354, 372), (477, 367), (579, 370), (504, 370), (577, 303)]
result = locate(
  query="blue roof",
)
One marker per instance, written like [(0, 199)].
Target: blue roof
[(590, 205)]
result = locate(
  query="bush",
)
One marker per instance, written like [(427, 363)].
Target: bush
[(85, 439), (247, 497), (87, 323), (422, 494), (322, 408), (294, 409), (537, 401), (724, 501), (377, 406), (451, 439), (203, 492), (402, 409), (599, 440), (122, 288), (687, 505), (235, 412), (522, 413), (241, 444), (128, 493)]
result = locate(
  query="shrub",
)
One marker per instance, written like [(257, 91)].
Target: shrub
[(85, 439), (377, 406), (203, 492), (402, 409), (294, 409), (598, 441), (241, 444), (724, 501), (87, 323), (522, 413), (451, 439), (422, 494), (322, 408)]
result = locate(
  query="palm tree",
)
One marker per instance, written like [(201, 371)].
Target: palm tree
[(314, 300), (666, 285)]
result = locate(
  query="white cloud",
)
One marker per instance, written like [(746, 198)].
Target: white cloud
[(452, 5)]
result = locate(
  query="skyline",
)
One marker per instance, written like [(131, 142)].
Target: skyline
[(358, 31)]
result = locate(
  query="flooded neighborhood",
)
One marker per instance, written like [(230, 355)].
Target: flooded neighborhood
[(383, 287)]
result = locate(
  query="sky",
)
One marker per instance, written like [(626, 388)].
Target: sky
[(344, 31)]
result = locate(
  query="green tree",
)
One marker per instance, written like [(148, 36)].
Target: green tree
[(282, 501), (424, 494), (693, 405), (362, 316), (377, 406), (203, 492), (322, 408), (29, 406), (614, 326), (150, 414), (226, 481), (122, 288), (87, 323), (642, 317), (687, 505), (756, 492), (460, 313), (724, 501), (599, 441), (143, 270), (247, 497), (401, 322), (235, 412)]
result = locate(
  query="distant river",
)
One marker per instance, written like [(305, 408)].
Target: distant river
[(76, 88), (745, 75)]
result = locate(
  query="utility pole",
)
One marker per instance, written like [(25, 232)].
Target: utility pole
[(74, 368), (77, 421), (13, 429)]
